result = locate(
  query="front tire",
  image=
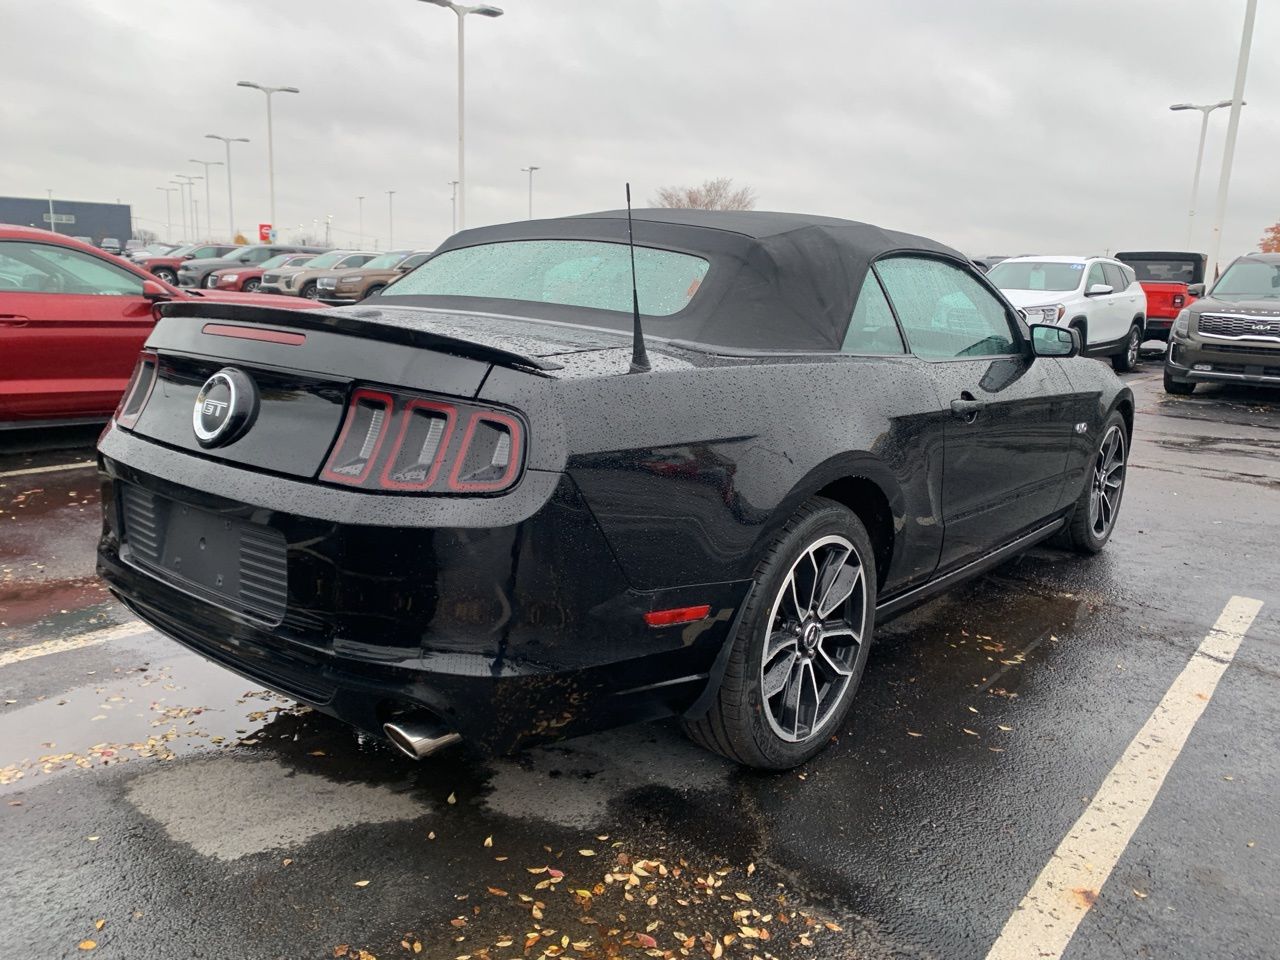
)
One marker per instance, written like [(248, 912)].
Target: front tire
[(310, 292), (1098, 505), (1128, 359), (801, 644), (167, 275), (251, 285), (1179, 388)]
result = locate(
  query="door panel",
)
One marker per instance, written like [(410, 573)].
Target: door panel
[(1006, 435), (1002, 472), (71, 325)]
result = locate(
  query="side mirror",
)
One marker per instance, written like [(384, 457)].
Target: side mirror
[(1048, 340), (154, 291), (1098, 290), (1195, 289)]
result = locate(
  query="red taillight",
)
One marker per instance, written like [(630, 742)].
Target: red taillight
[(424, 452), (138, 391), (490, 454), (426, 428), (669, 618), (353, 457)]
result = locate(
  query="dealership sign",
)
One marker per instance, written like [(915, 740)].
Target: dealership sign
[(58, 218), (265, 233)]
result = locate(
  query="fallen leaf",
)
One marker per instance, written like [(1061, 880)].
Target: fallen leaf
[(99, 924), (751, 868), (362, 883), (587, 853), (287, 860), (912, 733), (497, 892), (488, 841), (972, 733), (646, 941), (453, 798), (88, 945), (1139, 894), (744, 897)]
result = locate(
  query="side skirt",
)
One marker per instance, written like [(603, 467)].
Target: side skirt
[(911, 598)]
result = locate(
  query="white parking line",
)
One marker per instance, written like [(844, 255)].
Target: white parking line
[(1067, 887), (56, 468), (134, 627)]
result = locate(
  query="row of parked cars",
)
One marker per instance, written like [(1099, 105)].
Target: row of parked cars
[(1115, 303), (315, 273)]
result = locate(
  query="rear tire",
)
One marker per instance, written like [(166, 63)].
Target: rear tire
[(374, 291), (1129, 358), (251, 285), (1179, 388), (798, 639), (1098, 505)]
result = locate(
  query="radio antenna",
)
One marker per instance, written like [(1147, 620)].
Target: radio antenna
[(639, 356)]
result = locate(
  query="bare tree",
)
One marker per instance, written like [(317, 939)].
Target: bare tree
[(145, 235), (717, 194)]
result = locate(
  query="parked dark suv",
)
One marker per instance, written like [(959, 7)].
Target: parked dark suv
[(199, 272), (1233, 334)]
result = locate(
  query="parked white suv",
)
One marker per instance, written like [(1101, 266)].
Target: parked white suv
[(1099, 296)]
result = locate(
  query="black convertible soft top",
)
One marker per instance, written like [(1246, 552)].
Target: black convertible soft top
[(777, 281)]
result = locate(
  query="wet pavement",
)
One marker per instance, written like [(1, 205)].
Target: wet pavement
[(155, 805)]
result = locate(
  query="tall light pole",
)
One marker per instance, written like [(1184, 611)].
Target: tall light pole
[(231, 215), (168, 213), (52, 225), (453, 204), (1233, 125), (182, 207), (1205, 109), (529, 170), (271, 159), (208, 204), (191, 199), (484, 10), (391, 219), (360, 207)]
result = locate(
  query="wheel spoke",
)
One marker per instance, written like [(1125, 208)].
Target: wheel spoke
[(840, 588), (775, 678), (832, 664), (812, 688), (779, 640)]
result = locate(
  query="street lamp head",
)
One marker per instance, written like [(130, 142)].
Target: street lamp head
[(248, 83), (1182, 106), (487, 10), (1227, 103), (449, 4), (288, 90), (207, 163)]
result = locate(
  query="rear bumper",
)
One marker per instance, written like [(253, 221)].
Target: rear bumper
[(510, 634)]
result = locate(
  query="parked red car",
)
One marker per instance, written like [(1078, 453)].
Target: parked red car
[(1166, 278), (72, 320), (249, 278)]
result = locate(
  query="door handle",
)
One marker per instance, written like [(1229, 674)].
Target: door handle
[(13, 320), (966, 408)]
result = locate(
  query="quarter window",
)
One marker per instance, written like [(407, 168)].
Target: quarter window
[(945, 311), (872, 329)]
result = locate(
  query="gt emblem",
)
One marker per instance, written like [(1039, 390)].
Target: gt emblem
[(225, 407)]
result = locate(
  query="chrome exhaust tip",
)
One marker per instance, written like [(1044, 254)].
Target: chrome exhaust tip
[(418, 737)]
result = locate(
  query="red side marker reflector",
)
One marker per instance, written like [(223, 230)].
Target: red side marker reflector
[(254, 333), (667, 618)]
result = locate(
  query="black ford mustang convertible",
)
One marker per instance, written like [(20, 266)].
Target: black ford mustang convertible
[(474, 507)]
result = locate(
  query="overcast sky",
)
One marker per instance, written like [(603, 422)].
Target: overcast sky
[(997, 127)]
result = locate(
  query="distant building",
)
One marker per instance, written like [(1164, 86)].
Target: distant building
[(75, 218)]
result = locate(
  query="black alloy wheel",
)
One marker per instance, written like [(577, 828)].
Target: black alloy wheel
[(801, 645)]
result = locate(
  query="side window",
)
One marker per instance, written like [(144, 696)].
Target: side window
[(417, 260), (1115, 276), (356, 260), (1095, 276), (872, 329), (53, 269), (945, 311)]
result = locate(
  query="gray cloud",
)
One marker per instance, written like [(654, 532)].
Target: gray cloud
[(997, 127)]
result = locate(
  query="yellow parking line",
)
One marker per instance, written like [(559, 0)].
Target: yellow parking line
[(56, 468), (1067, 887), (79, 642)]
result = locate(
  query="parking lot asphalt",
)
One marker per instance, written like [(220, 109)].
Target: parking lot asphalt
[(155, 805)]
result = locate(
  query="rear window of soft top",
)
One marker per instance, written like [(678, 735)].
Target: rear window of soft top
[(579, 273)]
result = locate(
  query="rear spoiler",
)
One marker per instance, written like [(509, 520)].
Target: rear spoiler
[(365, 322)]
